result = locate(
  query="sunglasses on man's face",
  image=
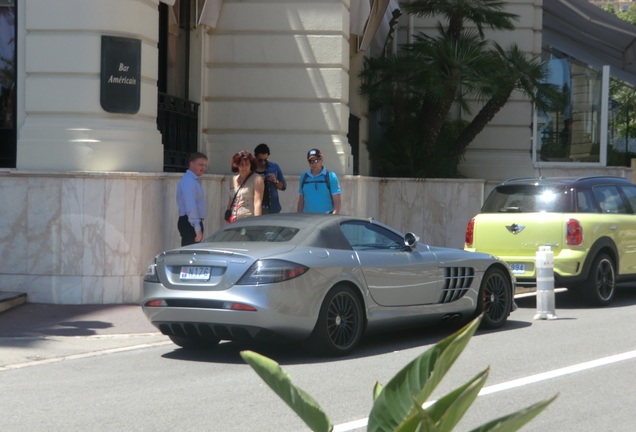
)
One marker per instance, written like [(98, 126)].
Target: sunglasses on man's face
[(313, 161), (261, 160)]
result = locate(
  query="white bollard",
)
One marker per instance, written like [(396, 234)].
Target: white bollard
[(544, 260)]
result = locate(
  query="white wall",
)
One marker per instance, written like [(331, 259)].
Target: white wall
[(277, 72)]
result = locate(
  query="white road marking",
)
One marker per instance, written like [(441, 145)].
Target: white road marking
[(83, 355), (532, 379)]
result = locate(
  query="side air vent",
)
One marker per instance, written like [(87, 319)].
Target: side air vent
[(457, 280)]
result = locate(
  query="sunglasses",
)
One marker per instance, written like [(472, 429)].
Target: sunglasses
[(261, 160), (314, 161)]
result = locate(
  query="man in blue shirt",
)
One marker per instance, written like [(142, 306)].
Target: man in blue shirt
[(273, 176), (191, 200), (319, 190)]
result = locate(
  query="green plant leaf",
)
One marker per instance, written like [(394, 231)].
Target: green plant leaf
[(445, 413), (449, 410), (302, 404), (516, 420), (377, 389), (404, 395)]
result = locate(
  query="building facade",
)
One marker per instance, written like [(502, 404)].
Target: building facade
[(102, 101)]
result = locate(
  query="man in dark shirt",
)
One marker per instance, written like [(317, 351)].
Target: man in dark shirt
[(273, 176)]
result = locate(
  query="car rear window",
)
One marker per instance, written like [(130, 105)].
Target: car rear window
[(253, 234), (528, 198)]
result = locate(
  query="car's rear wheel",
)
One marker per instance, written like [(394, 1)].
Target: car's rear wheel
[(601, 284), (340, 323), (195, 343), (495, 298)]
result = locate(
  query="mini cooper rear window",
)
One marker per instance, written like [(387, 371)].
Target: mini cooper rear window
[(253, 234), (525, 199)]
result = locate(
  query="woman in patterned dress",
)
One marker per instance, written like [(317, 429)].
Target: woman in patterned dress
[(246, 190)]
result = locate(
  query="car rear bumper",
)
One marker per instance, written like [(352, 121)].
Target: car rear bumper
[(290, 316)]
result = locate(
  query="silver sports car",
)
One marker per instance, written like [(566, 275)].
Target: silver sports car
[(318, 278)]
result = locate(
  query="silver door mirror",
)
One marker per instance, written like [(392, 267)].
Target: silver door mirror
[(410, 239)]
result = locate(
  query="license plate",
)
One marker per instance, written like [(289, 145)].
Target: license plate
[(518, 268), (194, 273)]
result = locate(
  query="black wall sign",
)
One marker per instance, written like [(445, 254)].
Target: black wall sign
[(120, 74)]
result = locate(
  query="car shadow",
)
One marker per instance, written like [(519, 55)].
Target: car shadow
[(625, 296), (388, 341), (371, 345)]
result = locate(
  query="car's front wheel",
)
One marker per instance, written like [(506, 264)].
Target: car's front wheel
[(340, 323), (601, 284), (195, 343), (495, 298)]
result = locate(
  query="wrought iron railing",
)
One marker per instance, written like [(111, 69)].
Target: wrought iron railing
[(177, 120)]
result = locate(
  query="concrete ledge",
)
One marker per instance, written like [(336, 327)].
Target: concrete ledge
[(10, 300)]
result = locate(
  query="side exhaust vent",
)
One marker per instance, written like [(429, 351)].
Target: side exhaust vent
[(457, 281)]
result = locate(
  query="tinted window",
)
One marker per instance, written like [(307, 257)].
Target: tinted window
[(609, 199), (253, 234), (525, 198), (366, 236), (630, 193), (585, 201)]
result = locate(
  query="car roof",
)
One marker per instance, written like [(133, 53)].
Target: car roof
[(567, 181), (317, 229)]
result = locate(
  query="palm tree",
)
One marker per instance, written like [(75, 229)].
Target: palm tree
[(418, 86)]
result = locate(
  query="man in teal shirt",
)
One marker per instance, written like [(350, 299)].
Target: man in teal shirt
[(319, 190)]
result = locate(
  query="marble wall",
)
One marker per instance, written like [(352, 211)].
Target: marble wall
[(85, 238)]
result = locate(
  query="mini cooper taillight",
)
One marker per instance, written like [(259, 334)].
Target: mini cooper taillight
[(573, 232), (470, 233), (271, 271)]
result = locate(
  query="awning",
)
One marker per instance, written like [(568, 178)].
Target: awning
[(210, 13), (588, 33), (370, 21)]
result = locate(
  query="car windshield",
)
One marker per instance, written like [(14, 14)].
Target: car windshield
[(527, 198), (265, 233)]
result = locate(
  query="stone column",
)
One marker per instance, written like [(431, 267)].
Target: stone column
[(62, 125)]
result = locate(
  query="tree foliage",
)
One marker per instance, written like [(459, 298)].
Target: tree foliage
[(414, 90)]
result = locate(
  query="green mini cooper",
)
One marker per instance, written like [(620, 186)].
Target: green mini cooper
[(589, 223)]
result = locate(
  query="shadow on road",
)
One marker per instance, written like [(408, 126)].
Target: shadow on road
[(371, 345), (625, 296), (386, 342)]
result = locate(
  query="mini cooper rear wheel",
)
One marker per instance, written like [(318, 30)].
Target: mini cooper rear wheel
[(495, 298), (601, 282), (340, 323)]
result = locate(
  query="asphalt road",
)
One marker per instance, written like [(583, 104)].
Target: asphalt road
[(141, 382)]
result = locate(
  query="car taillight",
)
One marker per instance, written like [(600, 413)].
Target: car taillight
[(156, 303), (574, 232), (470, 232), (151, 272), (271, 271)]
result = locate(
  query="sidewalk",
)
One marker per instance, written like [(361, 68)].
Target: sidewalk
[(38, 319), (34, 333)]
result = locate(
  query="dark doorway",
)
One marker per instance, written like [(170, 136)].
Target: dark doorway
[(8, 38), (354, 140), (177, 116)]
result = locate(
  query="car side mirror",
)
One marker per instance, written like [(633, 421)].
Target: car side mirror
[(410, 239)]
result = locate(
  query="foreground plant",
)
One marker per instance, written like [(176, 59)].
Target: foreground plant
[(401, 404)]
